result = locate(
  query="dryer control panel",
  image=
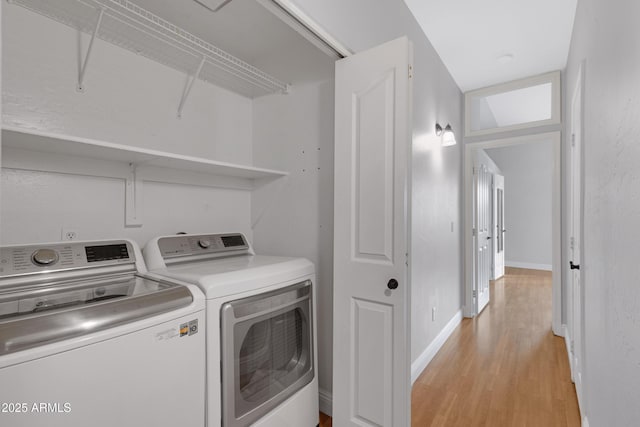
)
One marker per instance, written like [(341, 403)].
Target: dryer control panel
[(202, 244)]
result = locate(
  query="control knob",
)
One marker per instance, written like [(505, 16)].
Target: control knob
[(44, 257), (204, 243)]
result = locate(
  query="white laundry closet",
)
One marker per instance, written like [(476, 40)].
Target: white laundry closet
[(140, 151)]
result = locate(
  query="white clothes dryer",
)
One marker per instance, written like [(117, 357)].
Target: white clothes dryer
[(261, 345), (87, 339)]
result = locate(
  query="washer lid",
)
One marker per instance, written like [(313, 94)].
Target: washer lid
[(227, 276), (35, 315)]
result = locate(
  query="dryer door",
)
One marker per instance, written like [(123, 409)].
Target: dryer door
[(267, 352)]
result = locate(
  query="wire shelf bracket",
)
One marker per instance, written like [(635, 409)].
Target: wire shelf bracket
[(83, 70), (189, 86)]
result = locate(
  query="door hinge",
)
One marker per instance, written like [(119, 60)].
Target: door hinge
[(410, 71), (572, 242), (573, 139), (572, 351), (475, 293), (473, 232)]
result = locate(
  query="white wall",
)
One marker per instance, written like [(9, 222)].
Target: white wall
[(436, 194), (480, 157), (527, 170), (130, 100), (294, 216), (607, 37)]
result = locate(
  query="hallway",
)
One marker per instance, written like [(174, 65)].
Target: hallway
[(504, 368)]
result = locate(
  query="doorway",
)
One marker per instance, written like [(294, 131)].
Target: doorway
[(470, 306)]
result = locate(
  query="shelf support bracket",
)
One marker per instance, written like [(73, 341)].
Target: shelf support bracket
[(189, 86), (133, 198), (83, 70)]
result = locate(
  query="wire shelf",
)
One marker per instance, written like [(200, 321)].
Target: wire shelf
[(131, 27)]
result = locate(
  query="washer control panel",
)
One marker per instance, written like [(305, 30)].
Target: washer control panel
[(18, 260), (201, 244)]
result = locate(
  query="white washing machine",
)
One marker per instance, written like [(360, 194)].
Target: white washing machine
[(86, 339), (261, 346)]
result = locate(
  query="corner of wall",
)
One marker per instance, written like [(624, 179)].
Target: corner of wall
[(432, 349), (326, 402)]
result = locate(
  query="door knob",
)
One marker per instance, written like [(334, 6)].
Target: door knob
[(489, 238), (574, 266), (392, 284)]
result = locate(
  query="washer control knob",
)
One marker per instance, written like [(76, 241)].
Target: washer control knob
[(204, 243), (44, 257)]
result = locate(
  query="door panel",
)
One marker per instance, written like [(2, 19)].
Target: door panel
[(371, 377), (577, 297), (372, 361), (373, 183), (498, 227), (483, 247)]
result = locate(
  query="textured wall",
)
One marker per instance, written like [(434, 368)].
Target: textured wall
[(129, 100), (607, 38), (527, 170)]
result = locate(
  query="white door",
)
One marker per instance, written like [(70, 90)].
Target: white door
[(498, 226), (577, 298), (482, 234), (371, 357)]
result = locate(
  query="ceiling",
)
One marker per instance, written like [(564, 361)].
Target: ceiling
[(471, 36)]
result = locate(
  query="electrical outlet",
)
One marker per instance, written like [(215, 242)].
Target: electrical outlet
[(69, 233), (433, 314)]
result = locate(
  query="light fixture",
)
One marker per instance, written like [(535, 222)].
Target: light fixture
[(447, 136)]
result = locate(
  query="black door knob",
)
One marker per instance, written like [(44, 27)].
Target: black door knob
[(574, 266), (393, 284)]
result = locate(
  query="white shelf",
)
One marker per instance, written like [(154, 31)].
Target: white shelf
[(138, 30), (28, 149), (14, 137)]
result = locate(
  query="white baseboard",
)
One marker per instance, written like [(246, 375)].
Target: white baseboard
[(563, 332), (528, 265), (432, 349), (585, 422), (326, 402), (567, 342)]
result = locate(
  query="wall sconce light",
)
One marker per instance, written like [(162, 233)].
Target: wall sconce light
[(447, 136)]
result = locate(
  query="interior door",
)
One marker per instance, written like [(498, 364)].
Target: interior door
[(482, 228), (577, 298), (498, 226), (371, 357)]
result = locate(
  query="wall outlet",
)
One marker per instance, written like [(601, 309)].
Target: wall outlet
[(433, 314), (69, 233)]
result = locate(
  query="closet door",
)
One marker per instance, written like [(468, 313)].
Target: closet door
[(371, 355)]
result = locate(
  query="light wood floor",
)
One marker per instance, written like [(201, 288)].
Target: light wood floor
[(504, 368)]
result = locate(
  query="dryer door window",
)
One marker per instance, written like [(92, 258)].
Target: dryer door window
[(267, 352)]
